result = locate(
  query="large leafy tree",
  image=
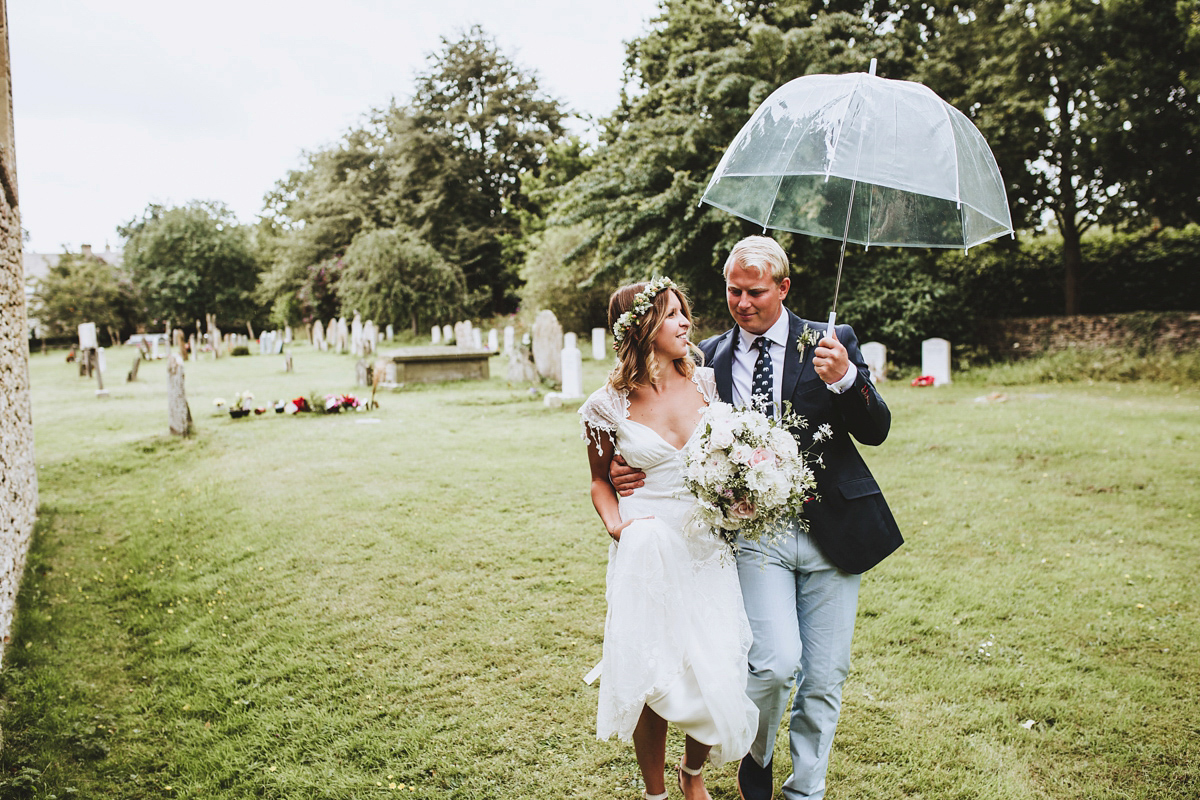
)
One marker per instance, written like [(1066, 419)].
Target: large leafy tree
[(457, 156), (192, 260), (691, 83), (83, 288), (394, 276), (1086, 105)]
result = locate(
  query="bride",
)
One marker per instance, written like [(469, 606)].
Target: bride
[(676, 634)]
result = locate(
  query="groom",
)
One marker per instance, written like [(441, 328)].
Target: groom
[(801, 593)]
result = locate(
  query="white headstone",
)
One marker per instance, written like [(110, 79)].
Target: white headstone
[(343, 335), (356, 336), (276, 342), (370, 337), (572, 369), (570, 341), (477, 338), (493, 340), (331, 334), (510, 334), (154, 349), (87, 335), (599, 344), (548, 345), (390, 332), (287, 334), (318, 336), (447, 334), (935, 360), (875, 354), (101, 364)]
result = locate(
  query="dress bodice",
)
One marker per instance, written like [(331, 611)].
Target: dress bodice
[(606, 412)]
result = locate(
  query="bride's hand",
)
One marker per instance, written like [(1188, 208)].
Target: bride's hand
[(616, 533)]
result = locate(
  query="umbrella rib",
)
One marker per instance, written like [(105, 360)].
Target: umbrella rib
[(962, 225), (782, 171)]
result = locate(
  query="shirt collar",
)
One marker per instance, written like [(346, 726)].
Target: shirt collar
[(777, 333)]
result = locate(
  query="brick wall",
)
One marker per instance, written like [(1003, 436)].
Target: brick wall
[(1029, 336), (18, 475)]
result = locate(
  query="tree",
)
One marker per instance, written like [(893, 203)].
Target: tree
[(1085, 105), (192, 260), (393, 276), (457, 155), (692, 81), (83, 288)]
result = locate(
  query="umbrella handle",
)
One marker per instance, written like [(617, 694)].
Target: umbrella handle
[(832, 320)]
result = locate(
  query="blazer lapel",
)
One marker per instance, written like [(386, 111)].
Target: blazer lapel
[(792, 366), (723, 366)]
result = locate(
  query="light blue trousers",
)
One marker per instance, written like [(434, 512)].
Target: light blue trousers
[(801, 609)]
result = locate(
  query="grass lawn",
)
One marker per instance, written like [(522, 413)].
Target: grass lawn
[(403, 602)]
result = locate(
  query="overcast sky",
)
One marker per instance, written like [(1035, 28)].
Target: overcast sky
[(120, 103)]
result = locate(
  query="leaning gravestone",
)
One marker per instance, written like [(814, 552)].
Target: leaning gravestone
[(875, 354), (179, 416), (599, 343), (935, 360), (572, 369), (548, 345)]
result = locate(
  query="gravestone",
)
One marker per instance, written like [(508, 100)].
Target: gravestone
[(318, 337), (179, 416), (599, 344), (287, 334), (447, 334), (477, 338), (493, 340), (572, 369), (192, 347), (389, 332), (356, 335), (935, 360), (548, 345), (520, 366), (875, 354), (131, 376), (331, 334), (510, 334), (276, 342), (435, 335), (370, 337), (362, 375), (343, 335)]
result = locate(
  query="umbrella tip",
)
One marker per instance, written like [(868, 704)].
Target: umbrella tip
[(874, 61)]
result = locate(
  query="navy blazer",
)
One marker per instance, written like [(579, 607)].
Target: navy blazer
[(849, 520)]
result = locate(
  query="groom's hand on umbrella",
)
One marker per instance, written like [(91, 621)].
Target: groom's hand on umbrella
[(623, 477), (830, 359)]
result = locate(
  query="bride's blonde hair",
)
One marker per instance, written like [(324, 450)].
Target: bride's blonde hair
[(636, 365)]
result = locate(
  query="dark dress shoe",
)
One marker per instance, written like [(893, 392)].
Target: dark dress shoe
[(754, 782)]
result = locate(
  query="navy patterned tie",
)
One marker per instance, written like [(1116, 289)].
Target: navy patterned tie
[(763, 384)]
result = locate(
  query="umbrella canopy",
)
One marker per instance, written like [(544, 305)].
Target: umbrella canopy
[(863, 159)]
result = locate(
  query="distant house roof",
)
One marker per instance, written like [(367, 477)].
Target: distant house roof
[(38, 265)]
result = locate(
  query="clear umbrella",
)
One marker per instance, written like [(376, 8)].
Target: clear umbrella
[(863, 159)]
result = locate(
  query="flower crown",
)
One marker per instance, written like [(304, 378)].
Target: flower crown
[(643, 301)]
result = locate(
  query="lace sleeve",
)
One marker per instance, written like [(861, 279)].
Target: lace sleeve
[(602, 412), (706, 380)]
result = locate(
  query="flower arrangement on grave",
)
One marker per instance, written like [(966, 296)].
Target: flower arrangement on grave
[(748, 473), (335, 403), (294, 406)]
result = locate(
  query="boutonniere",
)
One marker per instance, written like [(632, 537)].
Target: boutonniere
[(808, 338)]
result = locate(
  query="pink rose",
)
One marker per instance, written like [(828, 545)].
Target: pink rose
[(760, 455), (743, 509)]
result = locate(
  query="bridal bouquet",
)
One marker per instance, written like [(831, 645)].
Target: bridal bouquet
[(748, 473)]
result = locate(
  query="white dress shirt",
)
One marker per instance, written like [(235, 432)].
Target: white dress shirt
[(745, 356)]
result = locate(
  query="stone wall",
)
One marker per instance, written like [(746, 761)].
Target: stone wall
[(18, 475), (1177, 331)]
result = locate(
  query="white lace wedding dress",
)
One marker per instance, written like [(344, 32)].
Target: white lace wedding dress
[(676, 634)]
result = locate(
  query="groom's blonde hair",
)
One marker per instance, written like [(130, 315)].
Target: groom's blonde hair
[(760, 254), (636, 365)]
